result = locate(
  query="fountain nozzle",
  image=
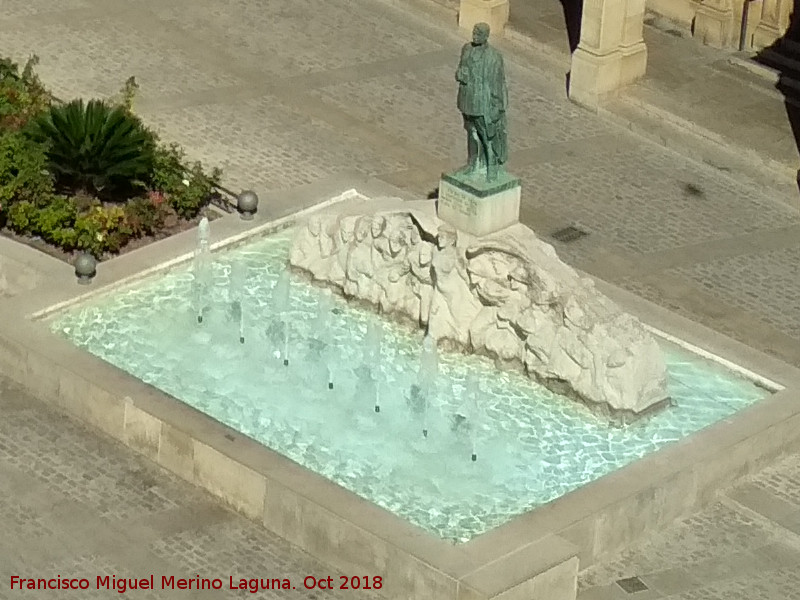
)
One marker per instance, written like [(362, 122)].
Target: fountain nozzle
[(285, 362), (474, 457), (241, 339), (330, 385), (377, 408), (425, 433)]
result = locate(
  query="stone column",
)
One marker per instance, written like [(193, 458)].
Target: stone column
[(493, 12), (611, 53), (714, 23), (633, 49), (774, 22)]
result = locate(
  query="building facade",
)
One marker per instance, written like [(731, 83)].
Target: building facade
[(718, 23)]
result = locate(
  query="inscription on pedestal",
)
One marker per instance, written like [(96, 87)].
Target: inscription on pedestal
[(452, 198), (479, 207)]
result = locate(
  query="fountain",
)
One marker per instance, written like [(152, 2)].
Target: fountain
[(278, 330), (392, 384), (238, 282), (371, 359), (202, 269), (320, 344), (470, 413)]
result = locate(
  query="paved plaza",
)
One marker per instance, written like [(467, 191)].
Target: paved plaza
[(283, 94)]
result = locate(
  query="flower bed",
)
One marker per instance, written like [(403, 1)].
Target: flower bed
[(89, 176)]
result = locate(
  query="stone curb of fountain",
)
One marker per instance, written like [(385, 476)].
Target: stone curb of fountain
[(789, 537), (756, 378)]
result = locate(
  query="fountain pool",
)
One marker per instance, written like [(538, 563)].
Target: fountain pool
[(495, 445)]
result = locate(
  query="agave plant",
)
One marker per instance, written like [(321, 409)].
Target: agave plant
[(94, 146)]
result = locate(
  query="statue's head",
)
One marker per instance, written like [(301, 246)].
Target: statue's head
[(362, 229), (315, 225), (378, 225), (446, 237), (346, 226), (480, 34)]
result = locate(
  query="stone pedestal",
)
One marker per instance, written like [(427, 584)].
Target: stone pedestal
[(714, 23), (479, 207), (493, 12)]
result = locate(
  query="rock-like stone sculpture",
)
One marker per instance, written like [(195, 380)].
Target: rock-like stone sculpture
[(508, 297)]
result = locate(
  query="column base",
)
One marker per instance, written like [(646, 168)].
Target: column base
[(493, 12), (594, 77), (765, 36), (477, 207), (714, 25)]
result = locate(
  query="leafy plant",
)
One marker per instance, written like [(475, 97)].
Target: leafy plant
[(59, 213), (168, 170), (22, 95), (126, 95), (94, 146), (23, 170), (145, 216), (188, 190), (102, 230), (196, 192), (22, 216)]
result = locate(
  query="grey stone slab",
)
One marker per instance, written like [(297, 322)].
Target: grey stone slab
[(791, 522), (762, 501), (615, 592), (780, 555), (670, 581), (724, 567)]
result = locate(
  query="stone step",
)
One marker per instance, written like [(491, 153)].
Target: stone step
[(781, 69), (786, 64), (791, 47)]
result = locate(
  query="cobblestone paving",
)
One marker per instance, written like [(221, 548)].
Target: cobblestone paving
[(764, 283), (75, 504), (745, 547)]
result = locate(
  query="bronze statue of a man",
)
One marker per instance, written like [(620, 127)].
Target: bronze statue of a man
[(483, 99)]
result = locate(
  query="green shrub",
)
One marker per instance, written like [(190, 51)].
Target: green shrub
[(22, 95), (60, 213), (188, 189), (145, 216), (196, 192), (94, 146), (102, 230), (65, 238), (22, 216), (23, 170)]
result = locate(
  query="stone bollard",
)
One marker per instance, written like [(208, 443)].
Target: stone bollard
[(85, 268), (247, 204)]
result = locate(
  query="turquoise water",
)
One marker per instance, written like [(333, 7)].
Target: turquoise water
[(531, 445)]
